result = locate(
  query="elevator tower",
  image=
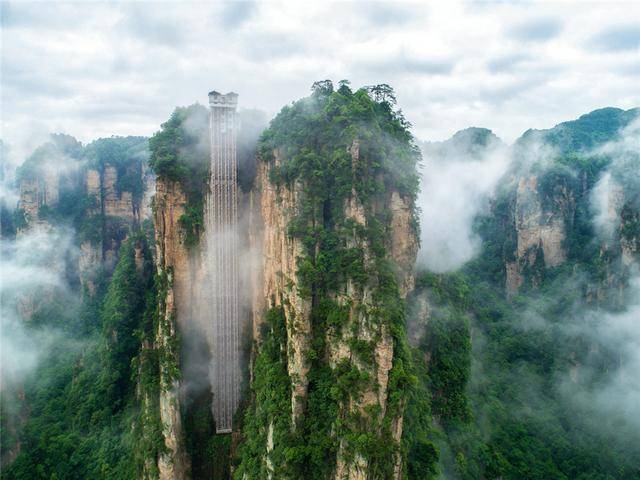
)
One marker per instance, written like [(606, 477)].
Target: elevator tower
[(222, 256)]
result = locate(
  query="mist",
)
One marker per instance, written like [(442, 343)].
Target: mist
[(33, 276), (618, 394), (619, 182), (457, 179), (198, 337)]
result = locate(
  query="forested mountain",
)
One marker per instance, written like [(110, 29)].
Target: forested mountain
[(360, 362), (529, 348)]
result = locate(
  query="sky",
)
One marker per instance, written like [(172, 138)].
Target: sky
[(93, 69)]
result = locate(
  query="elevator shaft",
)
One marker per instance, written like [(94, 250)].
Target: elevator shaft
[(222, 258)]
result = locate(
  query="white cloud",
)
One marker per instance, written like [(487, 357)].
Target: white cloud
[(95, 69), (620, 181), (33, 268), (457, 179)]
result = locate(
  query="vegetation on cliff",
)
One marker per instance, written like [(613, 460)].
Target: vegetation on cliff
[(515, 419), (82, 401), (180, 153), (316, 139), (522, 400), (493, 388), (128, 155), (60, 168)]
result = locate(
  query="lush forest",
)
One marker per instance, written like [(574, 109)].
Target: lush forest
[(76, 409), (515, 386), (315, 138), (488, 384)]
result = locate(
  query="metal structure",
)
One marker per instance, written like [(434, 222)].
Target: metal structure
[(222, 256)]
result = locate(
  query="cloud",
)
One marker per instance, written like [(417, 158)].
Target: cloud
[(153, 29), (507, 63), (617, 38), (537, 29), (385, 14), (621, 393), (17, 15), (397, 64), (608, 397), (269, 46), (235, 14), (458, 178), (603, 202), (427, 66), (619, 183), (448, 61), (33, 269)]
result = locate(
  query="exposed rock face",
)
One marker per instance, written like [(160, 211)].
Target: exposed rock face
[(540, 231), (620, 220), (30, 199), (418, 319), (94, 190), (403, 249), (149, 184), (89, 261), (278, 284), (619, 248), (543, 218), (172, 262), (36, 193), (101, 188), (116, 204), (404, 244), (277, 280), (629, 245)]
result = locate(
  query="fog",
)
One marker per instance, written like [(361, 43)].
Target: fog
[(619, 181), (200, 374), (457, 180), (33, 276), (588, 387), (618, 394)]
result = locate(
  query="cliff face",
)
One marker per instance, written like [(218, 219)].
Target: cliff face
[(554, 221), (116, 212), (276, 280), (36, 193), (173, 266), (88, 196), (619, 244), (571, 208), (359, 329), (332, 242), (279, 285), (403, 245), (540, 232), (117, 204)]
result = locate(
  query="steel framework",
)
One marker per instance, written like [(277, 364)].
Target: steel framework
[(222, 256)]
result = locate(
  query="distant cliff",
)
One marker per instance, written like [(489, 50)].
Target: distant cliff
[(546, 216), (101, 190)]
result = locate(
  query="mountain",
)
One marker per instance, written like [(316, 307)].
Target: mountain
[(356, 362), (585, 133), (470, 143), (526, 346)]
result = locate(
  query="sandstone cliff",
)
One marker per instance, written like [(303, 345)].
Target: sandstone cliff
[(172, 260), (278, 281), (540, 232), (35, 194), (89, 196), (276, 277)]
